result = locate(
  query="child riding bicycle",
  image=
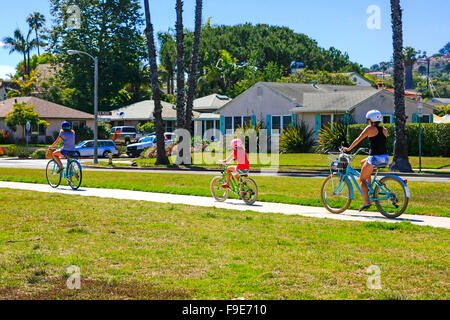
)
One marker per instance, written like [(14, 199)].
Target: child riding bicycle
[(240, 156), (67, 135)]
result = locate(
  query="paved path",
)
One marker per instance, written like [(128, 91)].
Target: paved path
[(264, 207), (42, 164)]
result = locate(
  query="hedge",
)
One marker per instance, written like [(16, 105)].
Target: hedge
[(435, 138)]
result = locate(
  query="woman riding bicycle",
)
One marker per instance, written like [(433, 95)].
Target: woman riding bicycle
[(243, 165), (67, 135), (379, 155)]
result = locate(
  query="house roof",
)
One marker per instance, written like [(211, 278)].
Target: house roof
[(439, 101), (333, 101), (45, 109), (207, 116), (211, 102)]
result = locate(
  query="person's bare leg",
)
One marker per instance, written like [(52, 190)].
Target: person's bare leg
[(56, 156), (363, 163), (229, 172), (366, 173)]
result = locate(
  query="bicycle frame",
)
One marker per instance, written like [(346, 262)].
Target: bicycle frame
[(66, 174), (234, 184), (350, 175)]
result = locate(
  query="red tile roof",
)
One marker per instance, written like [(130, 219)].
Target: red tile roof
[(45, 109)]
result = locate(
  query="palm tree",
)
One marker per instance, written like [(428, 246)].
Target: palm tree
[(159, 125), (180, 66), (36, 21), (401, 161), (192, 79), (410, 57), (18, 44)]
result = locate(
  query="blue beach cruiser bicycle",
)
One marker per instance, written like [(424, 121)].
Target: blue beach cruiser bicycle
[(390, 194), (73, 173)]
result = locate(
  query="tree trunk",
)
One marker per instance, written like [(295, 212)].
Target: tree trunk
[(159, 125), (192, 80), (180, 65), (400, 161), (38, 44)]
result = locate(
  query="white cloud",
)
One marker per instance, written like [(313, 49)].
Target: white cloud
[(2, 44), (5, 70)]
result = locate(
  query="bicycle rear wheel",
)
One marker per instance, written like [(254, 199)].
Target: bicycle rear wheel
[(335, 194), (51, 172), (249, 192), (394, 200), (75, 175), (219, 193)]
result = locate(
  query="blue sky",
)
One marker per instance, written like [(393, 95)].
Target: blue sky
[(338, 23)]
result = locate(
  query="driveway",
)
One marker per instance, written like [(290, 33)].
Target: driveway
[(262, 207)]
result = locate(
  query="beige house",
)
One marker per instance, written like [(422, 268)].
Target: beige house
[(205, 118), (277, 105), (142, 112), (53, 113)]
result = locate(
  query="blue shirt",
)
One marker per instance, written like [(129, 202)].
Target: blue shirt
[(68, 138)]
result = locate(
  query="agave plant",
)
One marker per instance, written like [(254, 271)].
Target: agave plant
[(297, 139), (331, 137)]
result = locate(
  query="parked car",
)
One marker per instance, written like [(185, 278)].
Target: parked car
[(105, 148), (126, 135), (134, 150)]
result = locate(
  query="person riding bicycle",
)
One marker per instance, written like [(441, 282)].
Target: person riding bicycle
[(240, 156), (67, 135), (379, 155)]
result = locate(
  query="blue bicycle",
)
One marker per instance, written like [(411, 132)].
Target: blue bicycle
[(390, 194), (73, 173)]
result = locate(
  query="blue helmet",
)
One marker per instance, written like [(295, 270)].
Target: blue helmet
[(66, 125)]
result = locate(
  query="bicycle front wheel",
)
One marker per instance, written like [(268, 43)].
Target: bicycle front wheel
[(391, 197), (335, 194), (249, 191), (219, 193), (75, 175), (51, 172)]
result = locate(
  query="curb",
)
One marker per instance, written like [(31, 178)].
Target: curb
[(321, 173)]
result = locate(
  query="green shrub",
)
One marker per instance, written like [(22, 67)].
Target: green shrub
[(104, 131), (39, 154), (435, 138), (331, 137), (84, 133), (6, 137), (18, 151), (148, 127), (298, 139)]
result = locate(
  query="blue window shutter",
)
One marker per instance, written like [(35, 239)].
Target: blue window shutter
[(294, 120), (318, 124), (415, 118), (347, 119), (222, 125), (254, 121), (269, 124), (431, 118)]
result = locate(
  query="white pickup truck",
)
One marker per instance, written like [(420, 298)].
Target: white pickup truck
[(126, 135)]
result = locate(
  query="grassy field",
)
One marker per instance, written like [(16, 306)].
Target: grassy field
[(428, 198), (310, 161), (139, 250)]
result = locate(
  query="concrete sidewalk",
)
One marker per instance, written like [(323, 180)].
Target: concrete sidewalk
[(263, 207)]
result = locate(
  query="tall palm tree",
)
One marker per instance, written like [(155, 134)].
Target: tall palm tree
[(401, 161), (410, 57), (192, 79), (17, 43), (159, 125), (36, 22), (180, 66)]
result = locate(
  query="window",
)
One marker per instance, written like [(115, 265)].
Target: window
[(276, 122), (247, 121), (129, 130), (228, 123), (325, 120), (109, 144), (89, 144), (169, 127), (78, 125), (339, 118), (259, 92), (42, 130), (387, 118), (425, 118), (237, 122), (286, 121)]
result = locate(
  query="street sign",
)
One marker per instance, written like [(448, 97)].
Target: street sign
[(104, 113), (28, 126), (419, 106)]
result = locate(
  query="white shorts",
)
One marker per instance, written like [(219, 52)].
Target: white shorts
[(378, 161)]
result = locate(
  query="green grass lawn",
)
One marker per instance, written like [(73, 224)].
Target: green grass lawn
[(140, 250), (310, 161), (428, 198)]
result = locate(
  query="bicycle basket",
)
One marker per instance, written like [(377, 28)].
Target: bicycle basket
[(337, 162)]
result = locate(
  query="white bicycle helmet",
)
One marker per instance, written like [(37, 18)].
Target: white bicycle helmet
[(374, 116)]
